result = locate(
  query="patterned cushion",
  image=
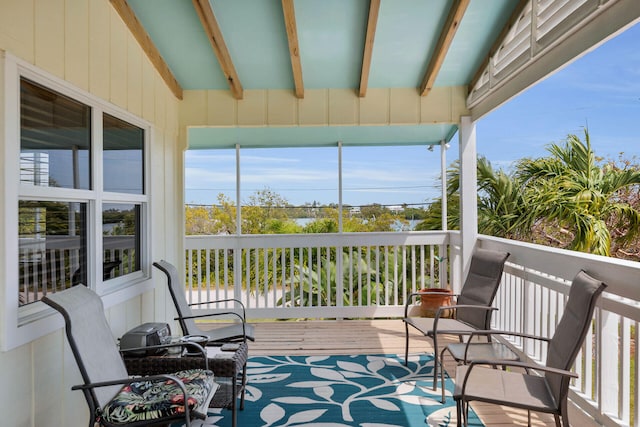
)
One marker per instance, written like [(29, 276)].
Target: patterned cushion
[(151, 400)]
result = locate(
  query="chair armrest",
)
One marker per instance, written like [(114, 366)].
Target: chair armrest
[(237, 301), (217, 301), (489, 333), (515, 364), (124, 381), (510, 333), (198, 316), (129, 380), (225, 313)]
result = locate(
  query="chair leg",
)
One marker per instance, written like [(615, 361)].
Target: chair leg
[(466, 414), (435, 362), (459, 412), (234, 402), (442, 375), (558, 423), (244, 385), (406, 344), (564, 412)]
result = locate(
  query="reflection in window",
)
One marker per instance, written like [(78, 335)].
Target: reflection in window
[(123, 156), (121, 239), (52, 247), (54, 138)]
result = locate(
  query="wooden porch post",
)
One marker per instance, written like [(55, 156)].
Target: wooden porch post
[(468, 193)]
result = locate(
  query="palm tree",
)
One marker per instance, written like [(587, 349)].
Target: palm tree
[(501, 203), (569, 189)]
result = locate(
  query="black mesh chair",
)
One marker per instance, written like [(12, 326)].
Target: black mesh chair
[(534, 387), (114, 398), (472, 309)]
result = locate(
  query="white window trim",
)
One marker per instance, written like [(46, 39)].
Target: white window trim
[(21, 325)]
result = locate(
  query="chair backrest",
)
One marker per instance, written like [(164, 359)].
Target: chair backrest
[(572, 329), (91, 340), (178, 296), (481, 286)]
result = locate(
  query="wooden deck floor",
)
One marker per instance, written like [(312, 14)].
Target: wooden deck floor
[(366, 337)]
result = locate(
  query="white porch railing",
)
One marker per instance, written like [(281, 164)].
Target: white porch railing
[(378, 269), (285, 276)]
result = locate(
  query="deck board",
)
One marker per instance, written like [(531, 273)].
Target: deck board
[(316, 337)]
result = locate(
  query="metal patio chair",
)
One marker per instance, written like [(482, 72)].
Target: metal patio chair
[(472, 309), (232, 331), (114, 398), (536, 388)]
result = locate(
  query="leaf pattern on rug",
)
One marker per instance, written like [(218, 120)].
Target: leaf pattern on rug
[(341, 391)]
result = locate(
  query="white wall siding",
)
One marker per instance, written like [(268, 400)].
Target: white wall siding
[(85, 43)]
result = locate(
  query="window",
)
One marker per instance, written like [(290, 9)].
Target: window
[(120, 239), (67, 142), (123, 156), (55, 138), (52, 247)]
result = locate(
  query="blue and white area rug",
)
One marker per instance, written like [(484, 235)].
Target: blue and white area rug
[(341, 391)]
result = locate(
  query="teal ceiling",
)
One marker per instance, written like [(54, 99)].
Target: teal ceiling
[(331, 35), (318, 136)]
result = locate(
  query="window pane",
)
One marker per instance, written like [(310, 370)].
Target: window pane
[(123, 156), (54, 138), (121, 239), (52, 247)]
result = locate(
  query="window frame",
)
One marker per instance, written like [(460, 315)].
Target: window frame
[(23, 324)]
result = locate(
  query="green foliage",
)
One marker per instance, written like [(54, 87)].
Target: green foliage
[(266, 212), (317, 284), (573, 190), (567, 199), (322, 225)]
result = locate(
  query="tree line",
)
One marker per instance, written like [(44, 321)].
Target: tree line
[(569, 198)]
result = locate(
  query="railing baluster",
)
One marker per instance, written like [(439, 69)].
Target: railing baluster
[(386, 266), (609, 373), (431, 267), (625, 370), (635, 377), (327, 271)]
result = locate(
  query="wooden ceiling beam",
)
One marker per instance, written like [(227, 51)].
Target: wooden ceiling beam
[(294, 49), (515, 15), (458, 8), (374, 8), (131, 21), (211, 27)]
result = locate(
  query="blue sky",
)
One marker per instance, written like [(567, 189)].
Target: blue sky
[(600, 90)]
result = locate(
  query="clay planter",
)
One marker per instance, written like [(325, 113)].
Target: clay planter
[(439, 297)]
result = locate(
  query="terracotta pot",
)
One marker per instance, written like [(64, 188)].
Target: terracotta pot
[(439, 297)]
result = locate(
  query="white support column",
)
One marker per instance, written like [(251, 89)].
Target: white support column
[(339, 265), (443, 184), (442, 251), (237, 252), (340, 187), (468, 191)]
